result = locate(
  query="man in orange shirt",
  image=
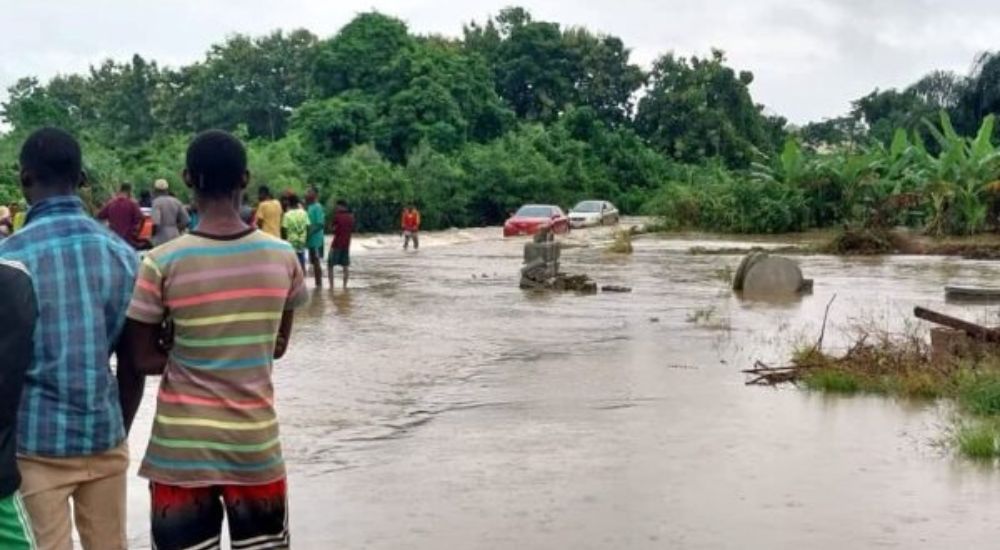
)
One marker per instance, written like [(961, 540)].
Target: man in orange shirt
[(411, 227)]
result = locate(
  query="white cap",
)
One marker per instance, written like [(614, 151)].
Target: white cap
[(161, 185)]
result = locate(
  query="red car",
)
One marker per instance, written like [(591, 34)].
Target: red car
[(530, 218)]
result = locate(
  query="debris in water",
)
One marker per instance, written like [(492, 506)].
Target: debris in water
[(622, 243), (541, 268), (761, 274), (614, 288)]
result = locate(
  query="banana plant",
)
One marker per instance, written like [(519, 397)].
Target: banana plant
[(961, 177)]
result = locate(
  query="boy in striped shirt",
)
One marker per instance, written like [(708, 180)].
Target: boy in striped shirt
[(229, 290)]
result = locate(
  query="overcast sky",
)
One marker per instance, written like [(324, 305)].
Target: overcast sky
[(810, 57)]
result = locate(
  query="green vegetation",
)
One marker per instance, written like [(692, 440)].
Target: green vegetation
[(904, 367), (519, 110), (978, 440), (833, 381)]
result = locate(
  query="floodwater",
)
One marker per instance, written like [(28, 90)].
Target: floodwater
[(436, 406)]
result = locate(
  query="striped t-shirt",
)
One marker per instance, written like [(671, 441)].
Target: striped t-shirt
[(215, 421)]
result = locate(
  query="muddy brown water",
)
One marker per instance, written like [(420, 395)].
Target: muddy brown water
[(435, 405)]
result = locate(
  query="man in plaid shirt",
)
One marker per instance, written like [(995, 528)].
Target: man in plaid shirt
[(74, 414)]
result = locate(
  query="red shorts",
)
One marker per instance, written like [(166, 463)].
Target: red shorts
[(191, 517)]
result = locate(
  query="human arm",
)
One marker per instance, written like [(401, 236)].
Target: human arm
[(131, 382), (142, 341), (103, 214), (284, 334), (141, 345), (297, 297)]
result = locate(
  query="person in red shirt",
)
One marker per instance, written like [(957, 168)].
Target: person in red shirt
[(340, 250), (123, 215), (411, 227)]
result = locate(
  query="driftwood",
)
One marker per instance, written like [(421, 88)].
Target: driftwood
[(763, 374), (975, 331)]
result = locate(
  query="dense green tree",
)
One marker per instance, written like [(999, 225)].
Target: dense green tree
[(699, 108), (537, 71), (466, 78), (606, 81), (30, 105), (979, 96), (441, 189), (832, 132), (333, 126), (256, 82), (118, 104), (884, 111), (361, 55), (518, 111)]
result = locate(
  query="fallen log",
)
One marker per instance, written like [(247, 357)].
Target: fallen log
[(975, 331)]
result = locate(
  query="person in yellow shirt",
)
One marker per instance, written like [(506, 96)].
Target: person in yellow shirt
[(269, 212)]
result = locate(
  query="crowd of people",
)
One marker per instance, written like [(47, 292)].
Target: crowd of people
[(208, 307)]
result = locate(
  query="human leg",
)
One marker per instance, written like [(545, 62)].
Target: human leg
[(406, 240), (46, 486), (257, 515), (416, 240), (99, 503), (185, 517), (315, 257), (15, 527)]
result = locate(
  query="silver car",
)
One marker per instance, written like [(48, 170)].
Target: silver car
[(592, 213)]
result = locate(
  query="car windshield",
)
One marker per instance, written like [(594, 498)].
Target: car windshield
[(534, 212), (588, 206)]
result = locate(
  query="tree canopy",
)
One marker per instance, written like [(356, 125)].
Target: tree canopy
[(515, 110)]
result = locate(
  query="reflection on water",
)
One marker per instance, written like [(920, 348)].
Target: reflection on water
[(434, 405), (342, 302)]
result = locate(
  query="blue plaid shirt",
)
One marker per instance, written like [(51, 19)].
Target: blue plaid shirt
[(83, 277)]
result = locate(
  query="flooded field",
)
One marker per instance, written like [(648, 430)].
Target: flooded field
[(435, 405)]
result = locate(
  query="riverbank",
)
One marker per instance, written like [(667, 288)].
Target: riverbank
[(967, 375), (844, 243)]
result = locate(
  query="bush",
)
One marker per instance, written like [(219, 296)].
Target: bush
[(978, 441), (979, 393)]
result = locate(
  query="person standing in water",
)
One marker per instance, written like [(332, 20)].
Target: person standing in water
[(296, 226), (411, 227), (170, 218), (17, 301), (230, 291), (340, 250), (315, 241), (269, 212), (74, 414)]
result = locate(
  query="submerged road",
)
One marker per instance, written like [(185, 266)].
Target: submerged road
[(435, 405)]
